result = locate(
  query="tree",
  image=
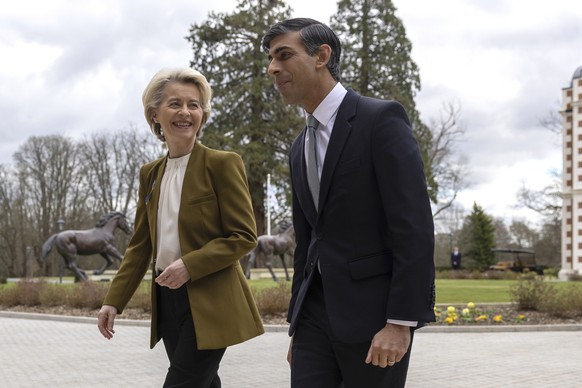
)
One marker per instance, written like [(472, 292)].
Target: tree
[(111, 167), (548, 248), (377, 62), (478, 235), (502, 235), (47, 169), (448, 166), (248, 115), (547, 201), (523, 236), (10, 236), (553, 120)]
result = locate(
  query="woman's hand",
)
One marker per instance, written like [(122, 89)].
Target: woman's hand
[(105, 320), (174, 276)]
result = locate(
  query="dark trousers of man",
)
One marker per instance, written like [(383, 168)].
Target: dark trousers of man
[(319, 360), (189, 367)]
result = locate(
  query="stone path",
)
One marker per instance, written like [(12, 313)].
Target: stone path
[(70, 352)]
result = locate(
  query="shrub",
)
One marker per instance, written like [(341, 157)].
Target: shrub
[(9, 297), (501, 275), (54, 295), (564, 304), (551, 272), (87, 295), (529, 291), (453, 274), (575, 277), (28, 292), (142, 297), (273, 300)]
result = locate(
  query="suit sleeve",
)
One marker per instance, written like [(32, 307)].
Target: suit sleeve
[(302, 238), (403, 189)]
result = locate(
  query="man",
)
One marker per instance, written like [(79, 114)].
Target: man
[(456, 259), (364, 273)]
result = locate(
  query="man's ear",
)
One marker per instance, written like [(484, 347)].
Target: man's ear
[(323, 55)]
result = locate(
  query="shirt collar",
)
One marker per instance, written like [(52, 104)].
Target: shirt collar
[(327, 108)]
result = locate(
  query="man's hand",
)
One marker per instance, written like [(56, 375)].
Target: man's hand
[(105, 320), (174, 276), (389, 345)]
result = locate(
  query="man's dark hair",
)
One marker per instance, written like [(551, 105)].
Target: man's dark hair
[(313, 35)]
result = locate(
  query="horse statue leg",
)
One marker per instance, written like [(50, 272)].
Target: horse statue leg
[(270, 266), (107, 264), (72, 265), (250, 263), (282, 256), (110, 251)]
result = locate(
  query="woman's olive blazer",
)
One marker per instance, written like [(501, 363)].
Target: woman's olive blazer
[(216, 227)]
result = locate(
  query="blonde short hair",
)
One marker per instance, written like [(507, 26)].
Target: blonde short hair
[(153, 94)]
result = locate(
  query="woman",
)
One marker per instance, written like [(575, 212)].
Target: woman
[(195, 220)]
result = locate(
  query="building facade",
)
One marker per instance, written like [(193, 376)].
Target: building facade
[(572, 177)]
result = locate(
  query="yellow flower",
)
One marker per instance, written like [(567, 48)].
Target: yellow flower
[(481, 318), (497, 318), (466, 311), (451, 309), (521, 317), (471, 305), (449, 320)]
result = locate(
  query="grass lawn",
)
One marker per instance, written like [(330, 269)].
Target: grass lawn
[(261, 284), (469, 290), (457, 291), (448, 290)]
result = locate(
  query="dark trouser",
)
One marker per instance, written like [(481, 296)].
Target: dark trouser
[(189, 367), (319, 360)]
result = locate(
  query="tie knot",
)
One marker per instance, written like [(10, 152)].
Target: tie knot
[(312, 122)]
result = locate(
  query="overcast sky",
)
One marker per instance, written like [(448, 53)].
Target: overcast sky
[(74, 67)]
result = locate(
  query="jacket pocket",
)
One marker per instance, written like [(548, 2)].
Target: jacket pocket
[(369, 266), (204, 198)]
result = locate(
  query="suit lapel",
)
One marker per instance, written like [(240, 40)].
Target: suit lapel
[(339, 136)]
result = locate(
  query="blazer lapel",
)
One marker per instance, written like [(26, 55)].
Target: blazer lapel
[(339, 136), (152, 200), (193, 171)]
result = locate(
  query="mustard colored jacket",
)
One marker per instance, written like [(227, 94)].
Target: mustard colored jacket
[(216, 227)]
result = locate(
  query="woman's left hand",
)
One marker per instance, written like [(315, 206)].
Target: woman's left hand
[(174, 276)]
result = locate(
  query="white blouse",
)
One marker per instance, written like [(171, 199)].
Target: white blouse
[(168, 238)]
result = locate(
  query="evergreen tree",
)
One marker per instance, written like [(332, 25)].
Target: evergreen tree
[(480, 231), (376, 62), (248, 115)]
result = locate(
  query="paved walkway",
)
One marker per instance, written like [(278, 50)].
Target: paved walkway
[(65, 352)]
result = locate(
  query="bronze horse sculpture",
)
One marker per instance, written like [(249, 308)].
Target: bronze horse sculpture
[(269, 246), (98, 240)]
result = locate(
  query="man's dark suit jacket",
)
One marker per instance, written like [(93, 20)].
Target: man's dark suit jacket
[(373, 236)]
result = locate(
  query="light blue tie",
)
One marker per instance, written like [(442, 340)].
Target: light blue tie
[(312, 174)]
